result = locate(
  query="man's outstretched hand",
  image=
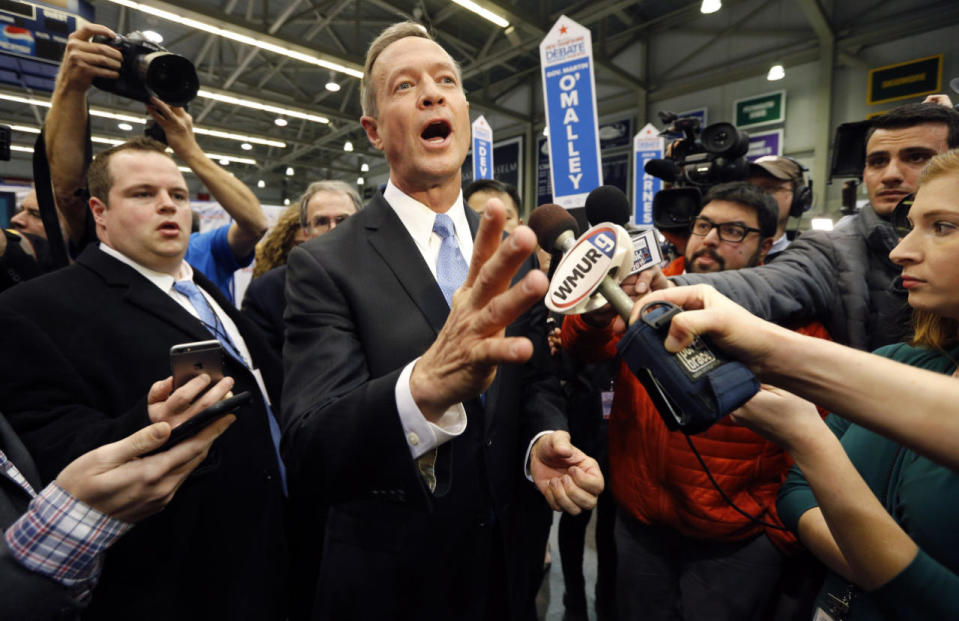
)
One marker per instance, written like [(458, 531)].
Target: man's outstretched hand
[(570, 479), (461, 362)]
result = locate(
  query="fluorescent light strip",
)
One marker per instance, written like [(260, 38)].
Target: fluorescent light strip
[(233, 159), (16, 147), (481, 11), (239, 38), (239, 137), (257, 105), (107, 114)]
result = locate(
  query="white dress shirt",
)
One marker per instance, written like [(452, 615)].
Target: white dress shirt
[(423, 436)]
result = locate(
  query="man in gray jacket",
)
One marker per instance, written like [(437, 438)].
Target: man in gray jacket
[(844, 277)]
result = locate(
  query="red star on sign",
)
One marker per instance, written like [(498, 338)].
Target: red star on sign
[(562, 29)]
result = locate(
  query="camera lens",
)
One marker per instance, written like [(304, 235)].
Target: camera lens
[(171, 77), (725, 139)]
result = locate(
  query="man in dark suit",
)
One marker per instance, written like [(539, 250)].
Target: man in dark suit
[(411, 410), (81, 349)]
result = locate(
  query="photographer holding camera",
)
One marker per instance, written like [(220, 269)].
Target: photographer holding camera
[(216, 253)]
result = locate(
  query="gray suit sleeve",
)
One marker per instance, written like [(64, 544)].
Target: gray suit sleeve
[(801, 284), (341, 429)]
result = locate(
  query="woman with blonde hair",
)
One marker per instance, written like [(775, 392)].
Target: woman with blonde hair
[(274, 249)]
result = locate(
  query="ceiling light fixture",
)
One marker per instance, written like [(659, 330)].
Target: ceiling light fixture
[(261, 184), (286, 201), (710, 6), (124, 126), (776, 72), (289, 171), (331, 84), (239, 37), (246, 146), (360, 181), (364, 167), (224, 161), (280, 122), (483, 12), (348, 146)]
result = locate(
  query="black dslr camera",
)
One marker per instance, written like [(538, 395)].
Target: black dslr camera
[(700, 159), (149, 69)]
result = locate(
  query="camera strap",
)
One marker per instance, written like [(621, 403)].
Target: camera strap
[(46, 202)]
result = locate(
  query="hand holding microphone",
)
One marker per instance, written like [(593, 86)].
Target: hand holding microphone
[(692, 388)]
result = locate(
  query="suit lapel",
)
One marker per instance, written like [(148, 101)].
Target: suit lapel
[(142, 293), (392, 242)]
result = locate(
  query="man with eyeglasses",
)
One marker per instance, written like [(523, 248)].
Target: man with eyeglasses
[(323, 207), (682, 551), (730, 233)]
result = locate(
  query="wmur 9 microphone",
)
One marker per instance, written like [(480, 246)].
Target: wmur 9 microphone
[(691, 389), (587, 264)]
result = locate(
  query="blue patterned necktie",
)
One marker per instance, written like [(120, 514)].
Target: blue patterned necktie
[(451, 268), (212, 323)]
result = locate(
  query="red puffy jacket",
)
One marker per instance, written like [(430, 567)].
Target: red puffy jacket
[(655, 476)]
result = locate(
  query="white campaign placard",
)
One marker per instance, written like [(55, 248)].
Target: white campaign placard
[(647, 145), (482, 149), (569, 91)]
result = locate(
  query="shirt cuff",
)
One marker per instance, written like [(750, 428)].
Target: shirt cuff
[(423, 436), (62, 537), (529, 449)]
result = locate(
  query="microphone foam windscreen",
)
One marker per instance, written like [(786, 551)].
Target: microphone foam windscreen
[(549, 222), (664, 169), (607, 203)]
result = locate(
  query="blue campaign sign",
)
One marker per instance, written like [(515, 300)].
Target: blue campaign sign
[(569, 90), (482, 149), (647, 145)]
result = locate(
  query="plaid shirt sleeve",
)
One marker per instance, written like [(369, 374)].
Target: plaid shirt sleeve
[(63, 538)]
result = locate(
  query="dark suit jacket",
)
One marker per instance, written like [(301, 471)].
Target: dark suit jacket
[(362, 304), (81, 348), (26, 595), (264, 303)]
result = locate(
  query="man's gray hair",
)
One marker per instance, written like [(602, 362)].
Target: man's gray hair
[(392, 34), (327, 185)]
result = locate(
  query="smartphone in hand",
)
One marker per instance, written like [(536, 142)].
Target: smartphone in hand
[(187, 360), (192, 426)]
